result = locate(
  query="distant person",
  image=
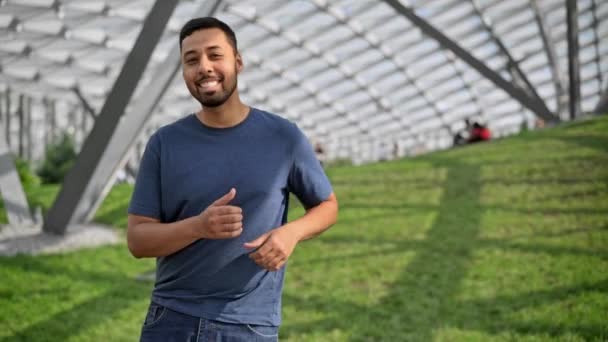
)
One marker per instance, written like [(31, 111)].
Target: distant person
[(395, 151), (462, 137), (479, 133), (539, 123), (210, 203), (320, 152)]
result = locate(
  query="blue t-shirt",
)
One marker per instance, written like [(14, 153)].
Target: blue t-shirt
[(186, 167)]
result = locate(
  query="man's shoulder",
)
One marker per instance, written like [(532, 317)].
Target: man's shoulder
[(175, 127), (167, 133), (275, 121), (180, 123)]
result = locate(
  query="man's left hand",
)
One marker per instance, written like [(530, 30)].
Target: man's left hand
[(273, 248)]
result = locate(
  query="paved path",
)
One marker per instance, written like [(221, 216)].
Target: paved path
[(31, 240)]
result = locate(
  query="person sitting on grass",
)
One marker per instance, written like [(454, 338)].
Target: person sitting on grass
[(479, 133), (462, 137)]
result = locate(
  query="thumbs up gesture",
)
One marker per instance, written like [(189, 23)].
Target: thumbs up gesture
[(221, 220)]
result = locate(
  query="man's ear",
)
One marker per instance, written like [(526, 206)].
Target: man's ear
[(239, 63)]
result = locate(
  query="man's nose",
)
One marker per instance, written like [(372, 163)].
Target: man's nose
[(204, 65)]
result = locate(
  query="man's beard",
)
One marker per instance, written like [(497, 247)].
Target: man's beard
[(219, 98)]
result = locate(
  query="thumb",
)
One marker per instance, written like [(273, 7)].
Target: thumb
[(258, 241), (225, 199)]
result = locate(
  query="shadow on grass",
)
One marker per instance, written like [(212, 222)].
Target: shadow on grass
[(67, 323), (423, 299), (120, 292), (412, 183), (563, 232), (548, 211), (536, 182), (504, 305), (590, 141), (465, 315), (356, 205), (369, 218), (415, 306), (574, 194), (417, 245), (32, 264)]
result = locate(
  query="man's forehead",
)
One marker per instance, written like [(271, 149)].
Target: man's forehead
[(211, 38)]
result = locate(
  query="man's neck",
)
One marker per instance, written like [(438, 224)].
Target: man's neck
[(229, 114)]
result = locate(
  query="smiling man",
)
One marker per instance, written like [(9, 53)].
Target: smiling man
[(211, 199)]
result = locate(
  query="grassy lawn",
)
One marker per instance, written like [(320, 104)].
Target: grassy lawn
[(503, 241)]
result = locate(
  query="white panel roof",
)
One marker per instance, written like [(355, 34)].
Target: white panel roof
[(347, 71)]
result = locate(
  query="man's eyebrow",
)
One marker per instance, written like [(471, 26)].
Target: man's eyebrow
[(209, 48)]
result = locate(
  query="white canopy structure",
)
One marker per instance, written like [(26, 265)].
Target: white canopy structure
[(366, 79)]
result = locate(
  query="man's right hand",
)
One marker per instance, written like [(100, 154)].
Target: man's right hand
[(220, 220)]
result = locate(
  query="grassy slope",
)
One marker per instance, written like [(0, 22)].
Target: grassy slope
[(500, 241)]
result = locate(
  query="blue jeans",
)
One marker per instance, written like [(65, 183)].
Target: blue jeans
[(164, 324)]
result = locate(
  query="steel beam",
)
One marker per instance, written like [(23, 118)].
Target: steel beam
[(83, 101), (45, 104), (512, 64), (28, 129), (602, 105), (49, 121), (11, 190), (573, 60), (116, 153), (540, 109), (76, 181), (551, 56), (596, 43), (7, 124), (20, 113)]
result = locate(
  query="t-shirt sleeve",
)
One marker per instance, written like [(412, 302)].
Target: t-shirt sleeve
[(146, 199), (307, 179)]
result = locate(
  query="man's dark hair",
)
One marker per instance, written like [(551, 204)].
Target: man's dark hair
[(207, 23)]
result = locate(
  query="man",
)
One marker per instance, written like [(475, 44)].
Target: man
[(210, 203)]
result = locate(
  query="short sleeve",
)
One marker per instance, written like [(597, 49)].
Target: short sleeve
[(307, 179), (146, 199)]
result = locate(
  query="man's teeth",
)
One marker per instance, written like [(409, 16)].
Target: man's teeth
[(208, 84)]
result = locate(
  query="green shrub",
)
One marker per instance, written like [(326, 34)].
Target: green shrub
[(60, 157), (28, 178)]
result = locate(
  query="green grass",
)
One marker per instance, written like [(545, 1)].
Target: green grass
[(503, 241)]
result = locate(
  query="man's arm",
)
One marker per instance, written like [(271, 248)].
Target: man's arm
[(148, 237), (275, 246), (316, 220)]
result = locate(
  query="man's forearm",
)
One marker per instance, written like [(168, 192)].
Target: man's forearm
[(154, 239), (316, 220)]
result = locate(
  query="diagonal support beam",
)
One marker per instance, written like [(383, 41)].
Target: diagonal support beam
[(602, 105), (84, 102), (116, 154), (596, 43), (549, 48), (512, 65), (13, 196), (77, 179), (538, 108), (573, 60)]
